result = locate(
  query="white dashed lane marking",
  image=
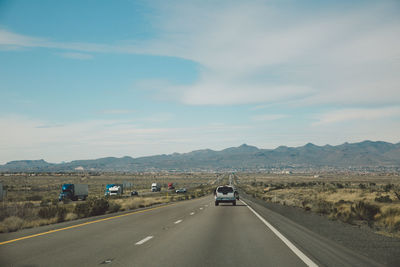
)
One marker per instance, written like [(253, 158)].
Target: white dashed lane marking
[(201, 208), (178, 221), (192, 213), (144, 240)]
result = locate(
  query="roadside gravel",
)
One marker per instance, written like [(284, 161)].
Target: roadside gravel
[(360, 239)]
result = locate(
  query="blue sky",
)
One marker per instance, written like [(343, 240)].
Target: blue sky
[(89, 79)]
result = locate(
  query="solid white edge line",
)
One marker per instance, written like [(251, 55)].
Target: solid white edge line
[(144, 240), (292, 247), (178, 221)]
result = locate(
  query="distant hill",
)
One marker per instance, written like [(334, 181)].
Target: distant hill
[(367, 155)]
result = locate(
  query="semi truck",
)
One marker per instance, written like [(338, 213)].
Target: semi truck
[(73, 192), (155, 187), (116, 190), (107, 191)]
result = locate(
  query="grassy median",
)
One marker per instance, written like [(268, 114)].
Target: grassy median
[(33, 200)]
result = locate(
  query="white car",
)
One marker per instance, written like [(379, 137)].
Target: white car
[(225, 194)]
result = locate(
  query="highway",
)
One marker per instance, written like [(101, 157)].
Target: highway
[(189, 233)]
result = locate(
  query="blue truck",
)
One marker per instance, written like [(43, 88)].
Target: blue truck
[(73, 192)]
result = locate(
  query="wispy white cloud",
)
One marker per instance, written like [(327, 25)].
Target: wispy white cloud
[(357, 114), (264, 52), (268, 117), (159, 117), (252, 52), (11, 39), (15, 40), (74, 55), (258, 107), (227, 92), (116, 111)]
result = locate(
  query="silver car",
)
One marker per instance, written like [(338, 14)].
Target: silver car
[(225, 194)]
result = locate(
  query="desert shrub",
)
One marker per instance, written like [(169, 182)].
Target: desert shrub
[(365, 211), (342, 212), (34, 198), (339, 185), (332, 190), (61, 214), (265, 198), (323, 207), (342, 201), (306, 204), (387, 187), (45, 202), (362, 186), (11, 224), (53, 211), (70, 216), (47, 212), (98, 206), (391, 212), (383, 199), (25, 211), (279, 186), (390, 219), (82, 209), (397, 195), (92, 207), (114, 207)]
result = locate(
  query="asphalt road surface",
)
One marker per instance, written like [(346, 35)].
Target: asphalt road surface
[(190, 233)]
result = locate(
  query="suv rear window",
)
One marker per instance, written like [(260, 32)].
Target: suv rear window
[(225, 190)]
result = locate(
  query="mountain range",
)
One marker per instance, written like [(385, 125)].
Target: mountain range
[(367, 155)]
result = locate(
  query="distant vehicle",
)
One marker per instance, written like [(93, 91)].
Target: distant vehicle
[(236, 193), (73, 192), (181, 190), (171, 186), (225, 194), (108, 186), (134, 193), (155, 187), (116, 190)]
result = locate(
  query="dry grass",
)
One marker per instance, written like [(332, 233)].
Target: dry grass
[(71, 216), (352, 199), (135, 203)]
